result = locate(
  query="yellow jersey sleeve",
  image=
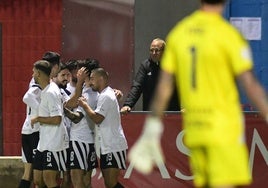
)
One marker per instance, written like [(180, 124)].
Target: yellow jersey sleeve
[(239, 52)]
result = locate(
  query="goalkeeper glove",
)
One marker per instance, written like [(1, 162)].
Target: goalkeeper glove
[(147, 151)]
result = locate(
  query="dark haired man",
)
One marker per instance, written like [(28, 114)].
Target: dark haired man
[(109, 132), (74, 65), (73, 68), (54, 59), (30, 136), (207, 57), (83, 160), (61, 80), (51, 154)]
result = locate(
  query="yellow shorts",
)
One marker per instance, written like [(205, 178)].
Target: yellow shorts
[(220, 165)]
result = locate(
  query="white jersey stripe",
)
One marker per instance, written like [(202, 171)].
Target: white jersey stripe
[(123, 158), (76, 150), (117, 158), (85, 150), (63, 159)]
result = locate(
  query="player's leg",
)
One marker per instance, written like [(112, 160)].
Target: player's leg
[(111, 164), (110, 176), (79, 163), (27, 175), (27, 154), (234, 171), (198, 162), (25, 181), (29, 144), (38, 169), (66, 175), (87, 179), (77, 176), (66, 180), (38, 178), (92, 164), (209, 169), (50, 178), (53, 163)]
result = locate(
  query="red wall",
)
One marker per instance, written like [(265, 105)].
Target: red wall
[(29, 28), (32, 27), (103, 30)]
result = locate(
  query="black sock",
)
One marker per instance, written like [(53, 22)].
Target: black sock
[(118, 185), (24, 183)]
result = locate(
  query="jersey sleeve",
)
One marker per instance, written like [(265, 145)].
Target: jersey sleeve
[(169, 59), (55, 104), (240, 53), (32, 97), (103, 105)]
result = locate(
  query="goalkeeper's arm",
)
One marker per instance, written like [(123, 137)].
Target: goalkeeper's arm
[(147, 151)]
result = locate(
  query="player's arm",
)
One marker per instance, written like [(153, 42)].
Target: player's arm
[(147, 151), (95, 117), (163, 93), (81, 76), (255, 92), (136, 89), (52, 120), (73, 116)]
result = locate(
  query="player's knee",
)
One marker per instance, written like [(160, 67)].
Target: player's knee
[(38, 182), (77, 178)]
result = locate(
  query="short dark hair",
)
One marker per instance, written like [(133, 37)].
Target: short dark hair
[(63, 66), (91, 64), (43, 66), (88, 63), (101, 72), (213, 1), (52, 57), (72, 64)]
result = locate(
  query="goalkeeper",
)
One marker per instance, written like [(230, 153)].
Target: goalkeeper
[(207, 58)]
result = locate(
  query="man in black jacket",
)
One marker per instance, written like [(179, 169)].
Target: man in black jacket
[(146, 79)]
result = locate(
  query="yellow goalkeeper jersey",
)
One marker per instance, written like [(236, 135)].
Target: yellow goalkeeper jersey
[(206, 53)]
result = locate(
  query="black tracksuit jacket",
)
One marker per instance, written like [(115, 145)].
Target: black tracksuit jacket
[(145, 83)]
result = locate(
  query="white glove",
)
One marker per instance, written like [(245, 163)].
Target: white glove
[(147, 151)]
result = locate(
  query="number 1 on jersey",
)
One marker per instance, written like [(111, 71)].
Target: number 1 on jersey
[(193, 54)]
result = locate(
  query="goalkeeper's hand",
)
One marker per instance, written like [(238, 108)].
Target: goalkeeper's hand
[(147, 151)]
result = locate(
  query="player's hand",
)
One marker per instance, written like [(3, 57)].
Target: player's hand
[(82, 73), (118, 94), (125, 110), (82, 101), (147, 151), (33, 121)]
